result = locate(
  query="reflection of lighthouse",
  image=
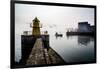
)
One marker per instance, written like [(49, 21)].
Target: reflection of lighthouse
[(36, 27)]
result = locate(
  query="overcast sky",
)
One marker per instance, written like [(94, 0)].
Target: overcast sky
[(53, 18)]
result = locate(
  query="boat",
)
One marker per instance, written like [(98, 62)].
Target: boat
[(56, 34)]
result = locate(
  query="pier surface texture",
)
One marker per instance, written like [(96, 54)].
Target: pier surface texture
[(42, 56)]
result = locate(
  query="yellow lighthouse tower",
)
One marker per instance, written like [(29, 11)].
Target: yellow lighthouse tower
[(36, 27)]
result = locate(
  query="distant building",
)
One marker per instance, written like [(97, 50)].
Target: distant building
[(92, 28), (85, 27)]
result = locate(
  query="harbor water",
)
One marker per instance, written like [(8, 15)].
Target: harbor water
[(70, 48)]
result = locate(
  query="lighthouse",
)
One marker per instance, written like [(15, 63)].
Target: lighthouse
[(36, 27)]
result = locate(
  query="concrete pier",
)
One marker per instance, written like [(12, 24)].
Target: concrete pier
[(27, 43), (80, 33), (36, 51), (41, 56), (37, 54)]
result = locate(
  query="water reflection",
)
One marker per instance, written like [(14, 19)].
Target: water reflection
[(82, 48), (83, 40), (69, 37), (58, 37)]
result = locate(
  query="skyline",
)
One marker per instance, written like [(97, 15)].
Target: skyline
[(51, 17)]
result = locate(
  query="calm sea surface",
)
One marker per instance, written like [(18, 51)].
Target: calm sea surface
[(70, 48)]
